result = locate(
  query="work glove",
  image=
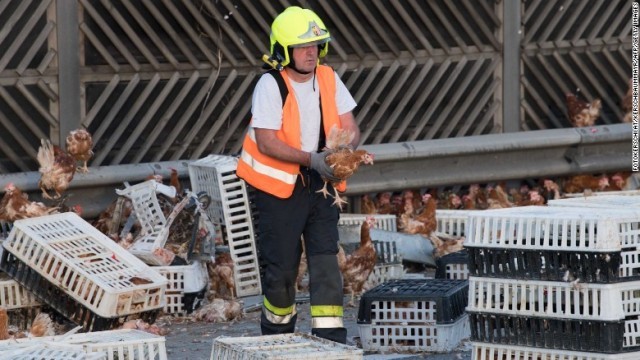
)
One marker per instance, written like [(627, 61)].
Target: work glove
[(319, 164)]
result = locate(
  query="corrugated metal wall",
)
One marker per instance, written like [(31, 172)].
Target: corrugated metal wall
[(168, 80)]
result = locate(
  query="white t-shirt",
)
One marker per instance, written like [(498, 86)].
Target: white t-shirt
[(266, 107)]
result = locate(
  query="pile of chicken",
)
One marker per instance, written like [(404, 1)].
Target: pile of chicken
[(343, 159)]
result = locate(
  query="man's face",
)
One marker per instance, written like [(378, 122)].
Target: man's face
[(305, 58)]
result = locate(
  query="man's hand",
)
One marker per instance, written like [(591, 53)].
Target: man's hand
[(318, 163)]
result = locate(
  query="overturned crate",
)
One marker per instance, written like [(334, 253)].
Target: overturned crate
[(279, 347), (230, 206), (414, 315), (383, 221), (81, 273)]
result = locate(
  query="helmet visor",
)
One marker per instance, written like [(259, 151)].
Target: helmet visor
[(311, 43)]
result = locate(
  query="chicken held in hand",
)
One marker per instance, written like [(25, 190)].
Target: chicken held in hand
[(358, 265), (57, 169), (344, 161), (80, 145)]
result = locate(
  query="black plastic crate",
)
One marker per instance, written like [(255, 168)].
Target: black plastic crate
[(450, 297), (444, 263), (549, 333), (61, 302), (547, 265)]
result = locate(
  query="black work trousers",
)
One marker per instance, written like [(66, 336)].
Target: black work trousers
[(281, 224)]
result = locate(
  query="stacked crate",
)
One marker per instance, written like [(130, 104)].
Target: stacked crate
[(81, 273), (545, 279), (414, 315), (230, 206)]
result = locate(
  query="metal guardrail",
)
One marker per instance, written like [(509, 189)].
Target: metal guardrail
[(417, 164)]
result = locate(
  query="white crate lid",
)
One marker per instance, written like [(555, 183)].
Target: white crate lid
[(552, 227), (44, 350), (487, 351), (619, 202)]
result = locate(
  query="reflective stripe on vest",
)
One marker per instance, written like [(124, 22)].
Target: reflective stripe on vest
[(278, 177), (265, 169)]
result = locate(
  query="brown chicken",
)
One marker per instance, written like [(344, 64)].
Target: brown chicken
[(580, 183), (582, 113), (358, 265), (618, 181), (56, 169), (497, 198), (552, 189), (80, 145), (174, 181), (15, 205), (219, 310), (221, 284), (42, 325), (444, 244), (367, 206), (427, 215), (383, 203), (344, 161)]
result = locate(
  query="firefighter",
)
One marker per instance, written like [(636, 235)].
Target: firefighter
[(293, 107)]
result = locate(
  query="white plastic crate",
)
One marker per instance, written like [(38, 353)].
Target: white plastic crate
[(452, 222), (383, 221), (286, 346), (485, 351), (384, 272), (414, 334), (114, 344), (553, 228), (88, 266), (582, 301), (182, 279), (15, 296), (153, 224), (608, 201), (216, 175), (41, 350)]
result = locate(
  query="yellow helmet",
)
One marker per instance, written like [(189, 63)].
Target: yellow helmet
[(295, 27)]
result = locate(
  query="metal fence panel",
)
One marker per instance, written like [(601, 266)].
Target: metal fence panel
[(166, 80)]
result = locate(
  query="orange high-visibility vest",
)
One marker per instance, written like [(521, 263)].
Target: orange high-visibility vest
[(278, 177)]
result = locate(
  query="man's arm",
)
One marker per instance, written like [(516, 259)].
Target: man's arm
[(269, 144), (348, 121)]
